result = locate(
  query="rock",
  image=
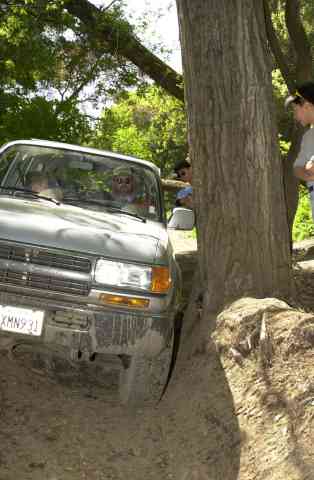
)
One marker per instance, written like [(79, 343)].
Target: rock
[(304, 250)]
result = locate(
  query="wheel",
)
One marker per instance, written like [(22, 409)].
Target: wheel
[(143, 380)]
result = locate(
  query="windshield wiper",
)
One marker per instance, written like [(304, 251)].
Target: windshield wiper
[(126, 212), (91, 201), (30, 192)]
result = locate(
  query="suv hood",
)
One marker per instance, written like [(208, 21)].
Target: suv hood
[(112, 235)]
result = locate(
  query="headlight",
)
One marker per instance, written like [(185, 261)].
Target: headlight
[(129, 275)]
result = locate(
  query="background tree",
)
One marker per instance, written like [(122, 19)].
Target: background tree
[(31, 70), (118, 39), (48, 66), (290, 37), (147, 123)]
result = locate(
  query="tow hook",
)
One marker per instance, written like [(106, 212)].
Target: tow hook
[(82, 356)]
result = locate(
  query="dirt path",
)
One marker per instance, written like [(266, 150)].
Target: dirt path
[(71, 428), (183, 241), (68, 430), (69, 425)]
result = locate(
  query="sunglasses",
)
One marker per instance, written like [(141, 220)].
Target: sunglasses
[(182, 173), (122, 180)]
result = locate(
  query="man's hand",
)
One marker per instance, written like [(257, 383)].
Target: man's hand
[(309, 168), (305, 173)]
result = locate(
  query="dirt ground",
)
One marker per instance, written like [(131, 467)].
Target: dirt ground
[(225, 417)]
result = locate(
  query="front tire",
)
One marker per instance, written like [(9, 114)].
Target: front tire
[(144, 379)]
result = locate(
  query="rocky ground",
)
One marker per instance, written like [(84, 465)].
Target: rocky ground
[(244, 410)]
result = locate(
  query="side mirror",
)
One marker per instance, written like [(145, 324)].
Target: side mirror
[(182, 219)]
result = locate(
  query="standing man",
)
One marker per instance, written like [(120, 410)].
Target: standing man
[(302, 102)]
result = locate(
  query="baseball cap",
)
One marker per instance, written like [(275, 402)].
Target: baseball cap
[(304, 92), (124, 171), (184, 192)]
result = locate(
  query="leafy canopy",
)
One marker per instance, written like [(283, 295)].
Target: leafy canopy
[(147, 123)]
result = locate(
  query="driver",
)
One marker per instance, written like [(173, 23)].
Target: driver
[(39, 183)]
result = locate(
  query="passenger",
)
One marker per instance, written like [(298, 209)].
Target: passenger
[(126, 190), (123, 188)]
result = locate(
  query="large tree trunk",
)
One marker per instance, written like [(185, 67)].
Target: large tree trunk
[(243, 233)]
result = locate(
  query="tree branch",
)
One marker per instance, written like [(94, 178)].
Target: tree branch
[(299, 41), (84, 82), (276, 49), (172, 185), (119, 40), (108, 6)]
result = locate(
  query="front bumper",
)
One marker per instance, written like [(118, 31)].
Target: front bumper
[(83, 330)]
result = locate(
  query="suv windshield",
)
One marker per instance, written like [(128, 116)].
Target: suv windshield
[(91, 181)]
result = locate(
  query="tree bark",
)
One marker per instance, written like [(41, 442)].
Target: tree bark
[(243, 233), (122, 41)]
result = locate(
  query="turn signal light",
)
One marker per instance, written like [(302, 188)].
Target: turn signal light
[(161, 280), (122, 301)]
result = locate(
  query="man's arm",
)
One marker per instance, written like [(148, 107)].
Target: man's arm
[(305, 173)]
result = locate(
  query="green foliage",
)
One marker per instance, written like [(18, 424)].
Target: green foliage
[(48, 64), (148, 124), (303, 226), (279, 22), (284, 116), (37, 117), (307, 18), (284, 146)]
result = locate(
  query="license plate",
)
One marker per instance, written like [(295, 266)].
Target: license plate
[(21, 320)]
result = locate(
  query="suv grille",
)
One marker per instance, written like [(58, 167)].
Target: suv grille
[(47, 258), (44, 282), (42, 269)]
